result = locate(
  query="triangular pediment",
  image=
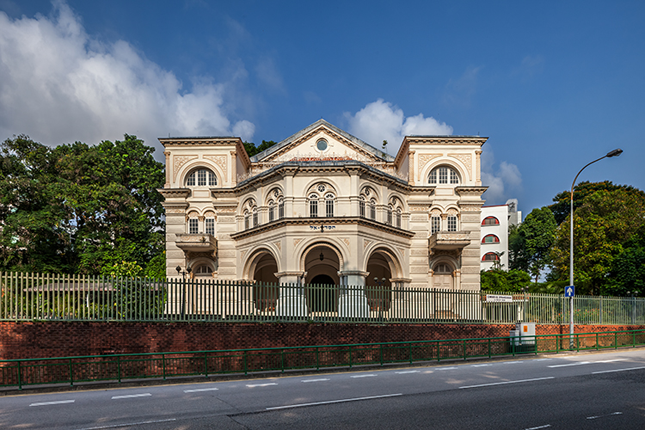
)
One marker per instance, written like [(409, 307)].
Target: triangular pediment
[(321, 141)]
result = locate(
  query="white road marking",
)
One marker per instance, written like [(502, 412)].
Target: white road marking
[(511, 362), (610, 361), (260, 385), (201, 389), (445, 368), (481, 365), (608, 415), (618, 370), (58, 402), (131, 396), (363, 376), (301, 405), (507, 382), (407, 371), (128, 424), (315, 380), (579, 363), (539, 427)]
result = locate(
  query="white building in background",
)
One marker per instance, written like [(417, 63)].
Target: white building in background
[(495, 222)]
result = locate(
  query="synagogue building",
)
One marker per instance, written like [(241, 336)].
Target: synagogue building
[(324, 207)]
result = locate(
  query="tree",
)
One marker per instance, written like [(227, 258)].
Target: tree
[(538, 233), (605, 225), (499, 280), (517, 258), (252, 150), (78, 208), (562, 205)]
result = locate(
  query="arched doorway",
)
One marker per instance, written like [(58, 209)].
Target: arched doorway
[(265, 289), (443, 276), (378, 285), (322, 265)]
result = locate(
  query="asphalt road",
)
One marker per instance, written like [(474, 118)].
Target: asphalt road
[(585, 391)]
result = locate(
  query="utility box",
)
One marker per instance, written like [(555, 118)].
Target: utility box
[(526, 332)]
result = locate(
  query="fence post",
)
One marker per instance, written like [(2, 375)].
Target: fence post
[(597, 345), (282, 359), (71, 374), (317, 359), (350, 356), (410, 352), (19, 377), (615, 340), (489, 356), (464, 342), (381, 353), (163, 366), (206, 364), (118, 367), (245, 368)]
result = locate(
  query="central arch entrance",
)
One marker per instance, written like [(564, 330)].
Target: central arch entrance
[(321, 266), (265, 289), (378, 284)]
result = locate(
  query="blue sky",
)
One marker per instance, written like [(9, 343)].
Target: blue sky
[(554, 85)]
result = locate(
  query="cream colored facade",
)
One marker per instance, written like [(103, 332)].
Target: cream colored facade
[(325, 207)]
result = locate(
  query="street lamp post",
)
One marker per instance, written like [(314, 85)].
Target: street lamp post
[(614, 153)]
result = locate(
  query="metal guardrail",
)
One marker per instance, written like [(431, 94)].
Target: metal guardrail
[(33, 297), (120, 367)]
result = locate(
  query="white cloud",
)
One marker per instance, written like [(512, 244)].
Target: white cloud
[(504, 181), (380, 120), (58, 84)]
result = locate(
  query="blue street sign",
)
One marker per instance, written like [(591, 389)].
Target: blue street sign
[(569, 291)]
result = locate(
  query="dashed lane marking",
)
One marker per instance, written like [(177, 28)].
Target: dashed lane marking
[(200, 389), (302, 405), (363, 376), (507, 382), (618, 370), (128, 424), (315, 380), (260, 385), (578, 363), (407, 371), (58, 402), (130, 396), (606, 415), (539, 427)]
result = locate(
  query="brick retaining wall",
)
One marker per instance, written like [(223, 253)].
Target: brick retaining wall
[(60, 339)]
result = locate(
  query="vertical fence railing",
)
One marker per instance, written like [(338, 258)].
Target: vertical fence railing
[(26, 296)]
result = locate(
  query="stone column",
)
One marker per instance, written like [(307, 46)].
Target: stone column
[(291, 300), (352, 301), (478, 180)]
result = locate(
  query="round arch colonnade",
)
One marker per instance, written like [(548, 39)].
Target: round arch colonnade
[(322, 279)]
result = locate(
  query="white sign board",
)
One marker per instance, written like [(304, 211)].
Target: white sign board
[(498, 298)]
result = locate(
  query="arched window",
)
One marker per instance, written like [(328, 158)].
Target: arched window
[(490, 238), (435, 222), (313, 205), (201, 178), (203, 270), (442, 268), (329, 205), (490, 220), (389, 215), (255, 217), (361, 206), (443, 175), (280, 208), (398, 218), (452, 223), (490, 256), (271, 211), (373, 209), (247, 220)]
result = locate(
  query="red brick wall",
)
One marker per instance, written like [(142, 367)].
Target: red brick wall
[(60, 339)]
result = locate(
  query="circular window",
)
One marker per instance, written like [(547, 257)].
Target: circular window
[(321, 145), (321, 188)]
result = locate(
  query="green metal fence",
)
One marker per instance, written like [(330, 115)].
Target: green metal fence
[(30, 297), (120, 367)]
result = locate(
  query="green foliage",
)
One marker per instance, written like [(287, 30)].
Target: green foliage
[(252, 150), (517, 258), (499, 280), (77, 208), (156, 267), (562, 206), (605, 225), (529, 244)]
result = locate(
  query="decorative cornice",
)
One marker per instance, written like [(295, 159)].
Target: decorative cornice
[(466, 191), (366, 222), (174, 193)]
